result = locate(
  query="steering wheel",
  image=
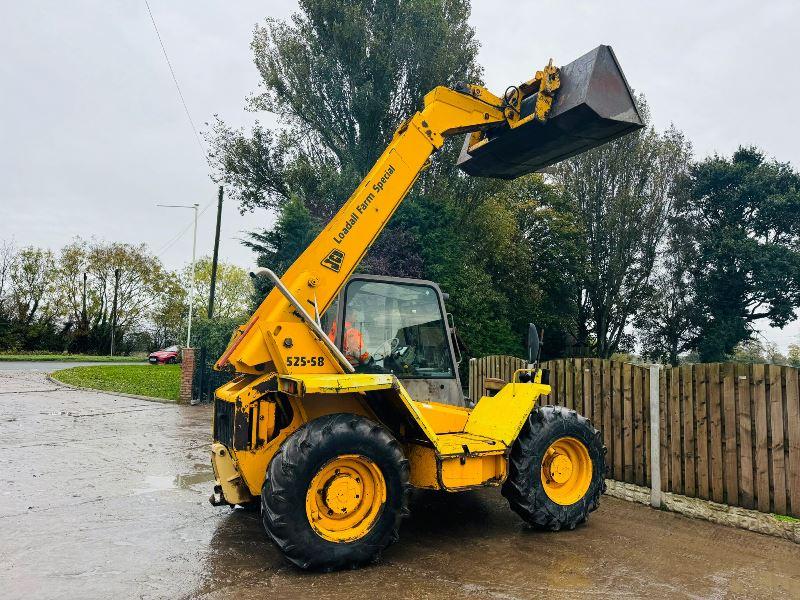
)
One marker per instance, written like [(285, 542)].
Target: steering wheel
[(385, 349)]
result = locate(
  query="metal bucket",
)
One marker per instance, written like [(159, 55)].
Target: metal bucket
[(594, 105)]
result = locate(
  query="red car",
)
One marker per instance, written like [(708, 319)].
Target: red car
[(167, 356)]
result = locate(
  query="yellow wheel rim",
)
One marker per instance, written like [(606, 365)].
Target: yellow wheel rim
[(345, 498), (566, 471)]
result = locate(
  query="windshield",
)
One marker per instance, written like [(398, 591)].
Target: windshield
[(395, 328)]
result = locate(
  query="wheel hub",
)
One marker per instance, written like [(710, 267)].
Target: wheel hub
[(345, 498), (566, 471), (343, 493), (560, 468)]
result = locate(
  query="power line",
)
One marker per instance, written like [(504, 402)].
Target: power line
[(175, 79), (200, 144), (181, 233)]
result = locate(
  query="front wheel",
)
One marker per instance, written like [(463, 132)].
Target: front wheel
[(335, 493), (556, 469)]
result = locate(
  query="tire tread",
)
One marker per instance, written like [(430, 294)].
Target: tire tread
[(523, 488), (288, 527)]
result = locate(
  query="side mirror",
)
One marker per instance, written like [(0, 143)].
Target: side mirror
[(533, 344)]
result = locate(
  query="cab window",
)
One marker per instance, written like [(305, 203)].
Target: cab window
[(328, 319), (395, 328)]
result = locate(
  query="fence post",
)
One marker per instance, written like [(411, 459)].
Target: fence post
[(655, 441)]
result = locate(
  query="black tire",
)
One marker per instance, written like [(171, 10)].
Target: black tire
[(524, 489), (283, 497)]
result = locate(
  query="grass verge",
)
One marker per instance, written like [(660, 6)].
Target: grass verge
[(786, 519), (156, 381), (34, 356)]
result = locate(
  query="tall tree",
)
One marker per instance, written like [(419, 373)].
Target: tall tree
[(7, 253), (32, 274), (232, 290), (170, 312), (621, 197), (341, 76), (141, 280), (793, 356), (743, 215), (537, 271), (28, 320), (668, 322)]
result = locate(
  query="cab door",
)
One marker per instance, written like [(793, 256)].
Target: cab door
[(398, 326)]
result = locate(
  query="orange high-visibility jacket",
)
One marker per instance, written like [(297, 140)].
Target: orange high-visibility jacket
[(352, 344)]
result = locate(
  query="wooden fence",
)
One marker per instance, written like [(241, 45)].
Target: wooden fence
[(497, 367), (731, 433), (728, 432)]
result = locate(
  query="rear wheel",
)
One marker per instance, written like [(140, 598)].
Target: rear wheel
[(556, 469), (335, 493)]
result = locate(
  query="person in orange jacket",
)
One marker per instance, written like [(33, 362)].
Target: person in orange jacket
[(353, 345)]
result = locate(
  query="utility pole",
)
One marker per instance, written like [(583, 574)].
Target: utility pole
[(83, 327), (203, 369), (84, 317), (194, 250), (216, 257), (114, 309)]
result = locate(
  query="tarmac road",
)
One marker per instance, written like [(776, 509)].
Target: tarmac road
[(106, 497), (48, 366)]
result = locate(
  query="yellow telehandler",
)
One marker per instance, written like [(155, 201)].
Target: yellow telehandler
[(346, 391)]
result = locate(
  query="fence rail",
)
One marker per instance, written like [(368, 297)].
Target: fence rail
[(727, 432)]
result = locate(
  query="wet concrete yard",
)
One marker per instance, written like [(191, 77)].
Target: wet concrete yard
[(104, 496)]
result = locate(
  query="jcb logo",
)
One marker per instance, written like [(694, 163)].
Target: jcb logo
[(333, 261)]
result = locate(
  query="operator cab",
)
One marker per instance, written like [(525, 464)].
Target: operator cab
[(398, 326)]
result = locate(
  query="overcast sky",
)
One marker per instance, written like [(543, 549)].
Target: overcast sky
[(94, 136)]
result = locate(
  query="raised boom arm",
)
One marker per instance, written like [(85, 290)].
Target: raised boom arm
[(527, 129), (275, 334)]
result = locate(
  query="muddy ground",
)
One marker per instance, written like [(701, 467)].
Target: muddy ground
[(104, 497)]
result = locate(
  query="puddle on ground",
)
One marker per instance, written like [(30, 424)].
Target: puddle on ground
[(164, 483), (186, 481)]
